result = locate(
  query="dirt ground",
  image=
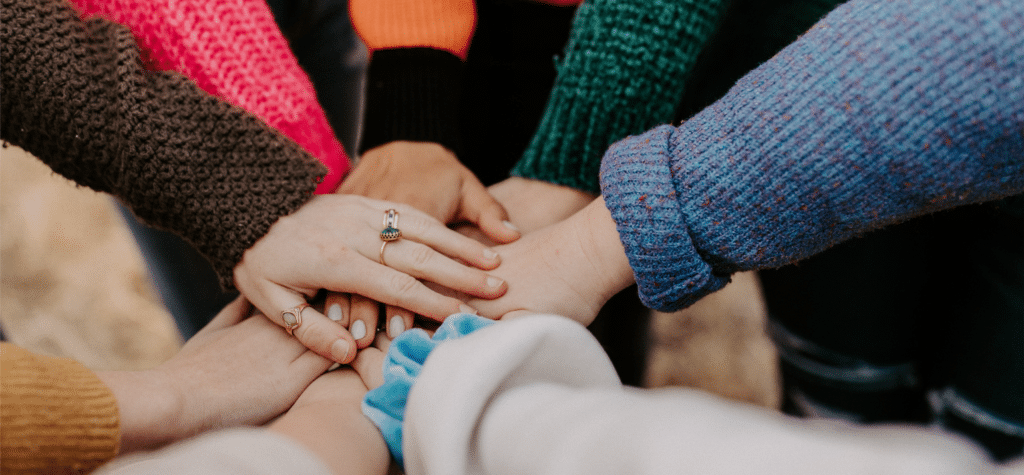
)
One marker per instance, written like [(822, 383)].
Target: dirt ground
[(74, 285)]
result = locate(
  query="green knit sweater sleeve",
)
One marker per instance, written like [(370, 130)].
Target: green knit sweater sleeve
[(623, 72)]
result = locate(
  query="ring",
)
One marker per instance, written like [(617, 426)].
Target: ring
[(382, 246), (296, 313), (390, 232)]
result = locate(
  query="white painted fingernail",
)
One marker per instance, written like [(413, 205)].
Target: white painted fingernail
[(489, 254), (511, 226), (467, 309), (358, 330), (493, 281), (397, 326), (334, 312)]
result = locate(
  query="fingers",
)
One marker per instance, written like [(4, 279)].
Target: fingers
[(313, 329), (368, 365), (480, 208), (425, 263), (336, 306), (389, 286), (420, 228), (364, 320), (398, 320), (231, 314)]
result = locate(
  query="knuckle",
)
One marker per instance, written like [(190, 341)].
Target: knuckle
[(403, 284), (421, 257)]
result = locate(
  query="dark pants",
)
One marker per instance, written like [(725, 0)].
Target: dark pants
[(920, 322)]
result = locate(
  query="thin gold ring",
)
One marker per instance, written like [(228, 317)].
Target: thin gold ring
[(382, 246), (296, 314)]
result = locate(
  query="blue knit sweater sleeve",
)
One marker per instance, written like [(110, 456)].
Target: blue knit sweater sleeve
[(883, 111)]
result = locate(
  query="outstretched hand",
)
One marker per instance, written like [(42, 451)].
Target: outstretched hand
[(430, 178), (218, 379), (570, 269), (333, 242)]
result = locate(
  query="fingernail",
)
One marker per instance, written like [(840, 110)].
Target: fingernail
[(396, 327), (334, 312), (511, 226), (493, 281), (358, 330), (339, 350), (489, 254), (467, 309)]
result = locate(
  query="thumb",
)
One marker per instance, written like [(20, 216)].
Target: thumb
[(480, 208)]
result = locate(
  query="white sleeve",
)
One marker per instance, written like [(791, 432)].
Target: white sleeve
[(538, 395), (242, 451)]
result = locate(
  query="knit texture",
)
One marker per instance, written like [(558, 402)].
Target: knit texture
[(232, 49), (413, 94), (881, 112), (623, 72), (445, 25), (75, 95), (57, 416)]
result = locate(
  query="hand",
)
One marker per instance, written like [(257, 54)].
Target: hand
[(328, 420), (430, 178), (534, 204), (333, 242), (568, 269), (235, 371)]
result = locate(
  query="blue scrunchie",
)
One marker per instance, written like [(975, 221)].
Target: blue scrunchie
[(385, 405)]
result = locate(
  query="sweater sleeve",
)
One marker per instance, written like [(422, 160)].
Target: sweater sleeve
[(538, 395), (881, 112), (623, 71), (57, 416), (417, 49), (74, 94), (235, 51)]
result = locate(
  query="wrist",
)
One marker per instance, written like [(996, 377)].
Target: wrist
[(412, 94), (151, 409), (600, 249)]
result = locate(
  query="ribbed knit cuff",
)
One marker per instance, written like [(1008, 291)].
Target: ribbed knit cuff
[(615, 82), (413, 94), (639, 191), (57, 416)]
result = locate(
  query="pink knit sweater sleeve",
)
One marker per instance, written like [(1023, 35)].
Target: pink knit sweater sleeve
[(232, 49)]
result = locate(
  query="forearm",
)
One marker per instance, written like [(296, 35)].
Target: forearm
[(180, 159), (876, 115), (621, 74), (417, 50)]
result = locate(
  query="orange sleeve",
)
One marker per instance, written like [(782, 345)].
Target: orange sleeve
[(56, 416), (446, 25)]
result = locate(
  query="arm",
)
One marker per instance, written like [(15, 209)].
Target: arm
[(411, 128), (538, 395), (232, 50), (623, 72), (851, 128), (75, 95), (881, 112), (58, 415)]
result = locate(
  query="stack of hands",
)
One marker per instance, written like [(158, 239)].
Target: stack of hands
[(502, 256), (322, 277)]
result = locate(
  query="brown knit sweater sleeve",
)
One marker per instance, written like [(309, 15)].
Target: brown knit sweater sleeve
[(56, 416), (75, 95)]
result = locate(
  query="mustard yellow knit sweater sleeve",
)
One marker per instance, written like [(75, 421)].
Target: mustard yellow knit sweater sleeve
[(56, 416)]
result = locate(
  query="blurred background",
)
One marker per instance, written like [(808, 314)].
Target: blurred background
[(74, 285)]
